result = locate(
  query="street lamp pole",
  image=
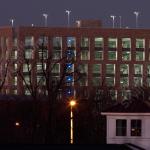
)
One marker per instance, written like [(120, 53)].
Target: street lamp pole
[(120, 21), (136, 15), (72, 104), (45, 16), (113, 20), (68, 14)]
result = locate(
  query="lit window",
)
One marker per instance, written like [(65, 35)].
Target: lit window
[(112, 43), (26, 67), (98, 55), (41, 80), (15, 80), (124, 69), (121, 127), (137, 81), (43, 54), (85, 55), (124, 81), (27, 92), (96, 81), (71, 42), (140, 43), (138, 69), (126, 43), (126, 55), (139, 55), (43, 41), (26, 80), (15, 42), (41, 67), (136, 127), (113, 94), (15, 67), (110, 68), (55, 68), (112, 55), (110, 81), (84, 42), (56, 54), (28, 54), (148, 81), (148, 69), (99, 42), (69, 67), (96, 68), (14, 54), (57, 42), (83, 68), (29, 41)]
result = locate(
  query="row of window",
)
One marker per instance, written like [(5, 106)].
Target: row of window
[(135, 127)]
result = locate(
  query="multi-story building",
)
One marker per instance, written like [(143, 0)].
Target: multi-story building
[(112, 57)]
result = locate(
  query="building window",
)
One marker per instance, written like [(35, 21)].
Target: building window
[(14, 54), (85, 55), (136, 127), (126, 55), (138, 69), (126, 94), (41, 67), (110, 69), (99, 42), (15, 80), (140, 43), (96, 81), (113, 94), (112, 43), (98, 55), (29, 41), (148, 81), (83, 81), (139, 55), (71, 42), (69, 68), (41, 80), (148, 69), (43, 41), (26, 68), (124, 81), (56, 54), (84, 42), (57, 42), (55, 80), (28, 54), (124, 69), (137, 81), (121, 127), (55, 68), (26, 80), (15, 67), (43, 54), (96, 68), (15, 42), (110, 81), (126, 43), (112, 55), (83, 68), (27, 92)]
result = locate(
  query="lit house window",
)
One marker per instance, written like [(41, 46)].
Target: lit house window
[(15, 67), (138, 81), (112, 43), (43, 54), (126, 94), (14, 54), (99, 42), (28, 54), (124, 69), (85, 55), (98, 55), (136, 127), (140, 43), (126, 43), (138, 69), (26, 67), (55, 68), (15, 42), (41, 80), (57, 42), (96, 68), (15, 80), (126, 55), (26, 80), (41, 67), (140, 55), (29, 41), (112, 55), (71, 42), (110, 81), (124, 81), (43, 41), (121, 127), (83, 68), (84, 42), (110, 68)]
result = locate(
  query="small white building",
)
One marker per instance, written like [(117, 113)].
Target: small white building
[(129, 123)]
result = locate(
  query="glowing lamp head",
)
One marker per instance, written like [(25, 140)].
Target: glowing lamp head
[(17, 124), (72, 103)]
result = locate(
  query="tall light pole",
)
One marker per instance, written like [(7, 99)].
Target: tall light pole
[(120, 21), (72, 104), (136, 15), (113, 20), (45, 17), (68, 14), (12, 22)]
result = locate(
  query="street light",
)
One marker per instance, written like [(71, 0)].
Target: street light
[(45, 17), (113, 20), (120, 21), (68, 14), (12, 22), (136, 15), (72, 104)]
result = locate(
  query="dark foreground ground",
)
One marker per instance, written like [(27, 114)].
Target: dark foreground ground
[(55, 147)]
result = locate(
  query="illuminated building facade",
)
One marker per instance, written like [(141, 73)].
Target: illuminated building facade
[(115, 58)]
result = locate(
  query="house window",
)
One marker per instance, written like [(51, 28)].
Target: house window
[(29, 41), (112, 55), (84, 42), (136, 127), (85, 55), (139, 55), (112, 43), (98, 55), (140, 43), (71, 42), (126, 43), (110, 68), (99, 42), (55, 68), (121, 127), (57, 42), (126, 55)]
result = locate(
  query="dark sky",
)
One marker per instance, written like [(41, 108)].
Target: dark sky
[(27, 12)]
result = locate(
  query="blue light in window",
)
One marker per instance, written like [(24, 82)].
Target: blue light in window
[(69, 78), (69, 91), (70, 53), (69, 66)]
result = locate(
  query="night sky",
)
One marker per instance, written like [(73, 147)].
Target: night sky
[(26, 12)]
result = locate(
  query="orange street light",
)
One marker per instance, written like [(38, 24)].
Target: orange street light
[(72, 104)]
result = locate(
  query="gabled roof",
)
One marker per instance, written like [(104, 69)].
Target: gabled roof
[(130, 106)]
